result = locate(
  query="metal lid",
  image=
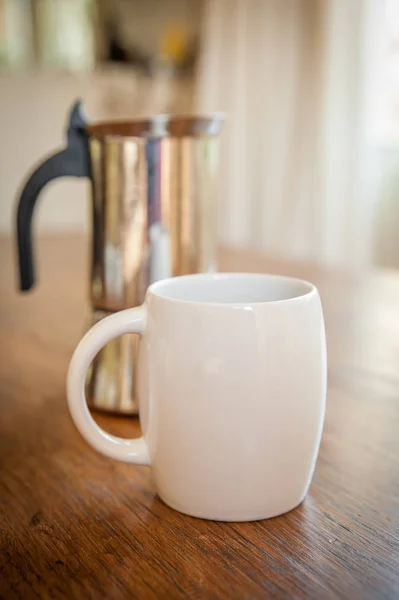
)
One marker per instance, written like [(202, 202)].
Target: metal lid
[(160, 126)]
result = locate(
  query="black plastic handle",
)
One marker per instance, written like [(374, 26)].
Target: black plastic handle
[(73, 161)]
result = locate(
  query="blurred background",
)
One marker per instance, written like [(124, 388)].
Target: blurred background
[(310, 152)]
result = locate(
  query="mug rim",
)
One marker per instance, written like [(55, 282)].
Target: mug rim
[(155, 288)]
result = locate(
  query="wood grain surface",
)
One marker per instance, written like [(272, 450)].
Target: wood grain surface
[(77, 525)]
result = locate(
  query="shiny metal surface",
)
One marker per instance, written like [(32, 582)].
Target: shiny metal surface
[(111, 379), (154, 211), (154, 187)]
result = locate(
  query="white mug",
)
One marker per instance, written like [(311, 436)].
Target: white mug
[(232, 388)]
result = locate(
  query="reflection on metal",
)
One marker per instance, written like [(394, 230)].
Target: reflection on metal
[(110, 381), (154, 216)]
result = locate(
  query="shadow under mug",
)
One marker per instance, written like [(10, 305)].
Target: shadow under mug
[(232, 389)]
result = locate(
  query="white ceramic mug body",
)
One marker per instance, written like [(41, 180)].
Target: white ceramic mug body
[(232, 384)]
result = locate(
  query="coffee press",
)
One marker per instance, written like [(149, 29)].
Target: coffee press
[(154, 195)]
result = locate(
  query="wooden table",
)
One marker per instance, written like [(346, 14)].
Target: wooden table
[(75, 524)]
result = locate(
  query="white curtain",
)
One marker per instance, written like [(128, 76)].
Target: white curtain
[(297, 79)]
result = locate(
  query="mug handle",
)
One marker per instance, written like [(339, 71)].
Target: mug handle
[(132, 320)]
